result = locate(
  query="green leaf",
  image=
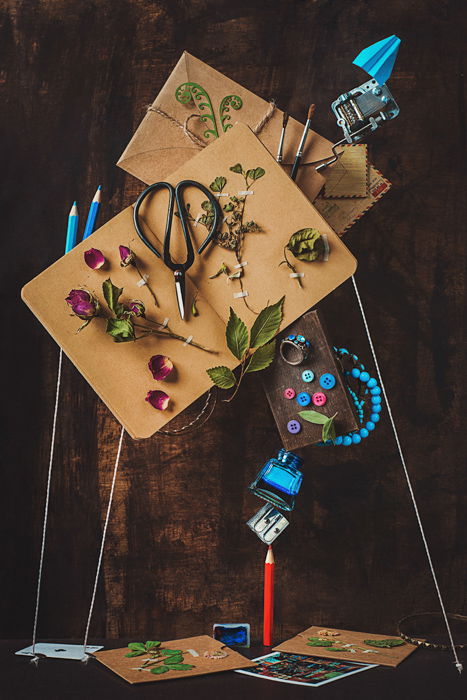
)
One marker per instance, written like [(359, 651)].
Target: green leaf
[(329, 431), (318, 642), (236, 334), (384, 643), (306, 244), (207, 206), (168, 652), (157, 670), (222, 377), (313, 417), (262, 357), (194, 308), (173, 659), (120, 329), (111, 295), (237, 168), (132, 654), (218, 184), (255, 173), (137, 646), (228, 207), (152, 645), (181, 667), (266, 324)]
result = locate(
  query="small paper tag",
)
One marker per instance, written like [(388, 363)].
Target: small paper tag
[(222, 194), (239, 295), (188, 340), (193, 652), (297, 274), (166, 322), (142, 281), (324, 236), (242, 264), (197, 219), (245, 193)]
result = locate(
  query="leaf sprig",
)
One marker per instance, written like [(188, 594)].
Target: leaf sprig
[(329, 429), (255, 350), (160, 658)]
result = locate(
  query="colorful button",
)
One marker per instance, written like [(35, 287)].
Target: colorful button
[(294, 427), (327, 381), (308, 375), (303, 399), (319, 399), (289, 393)]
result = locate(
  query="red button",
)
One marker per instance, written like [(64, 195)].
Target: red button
[(319, 399), (289, 393)]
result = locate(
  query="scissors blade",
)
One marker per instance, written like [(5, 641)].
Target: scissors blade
[(180, 292)]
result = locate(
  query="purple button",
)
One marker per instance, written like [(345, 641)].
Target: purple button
[(294, 427)]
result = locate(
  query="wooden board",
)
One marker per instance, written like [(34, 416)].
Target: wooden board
[(281, 376)]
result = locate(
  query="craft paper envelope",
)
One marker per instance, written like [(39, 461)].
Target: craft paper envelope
[(127, 668), (118, 371), (159, 145), (355, 640)]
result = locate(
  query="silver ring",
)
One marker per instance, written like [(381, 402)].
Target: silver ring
[(294, 349)]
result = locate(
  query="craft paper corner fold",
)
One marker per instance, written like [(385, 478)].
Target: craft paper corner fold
[(160, 145)]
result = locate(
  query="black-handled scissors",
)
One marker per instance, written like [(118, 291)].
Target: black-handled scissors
[(179, 269)]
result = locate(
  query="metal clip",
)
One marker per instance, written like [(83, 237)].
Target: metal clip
[(268, 523)]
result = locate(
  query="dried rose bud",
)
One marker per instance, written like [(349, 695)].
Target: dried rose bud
[(158, 399), (127, 257), (94, 259), (136, 308), (160, 366), (83, 304)]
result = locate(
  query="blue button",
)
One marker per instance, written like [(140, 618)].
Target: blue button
[(304, 398), (308, 375), (301, 338), (327, 381), (290, 337), (294, 427)]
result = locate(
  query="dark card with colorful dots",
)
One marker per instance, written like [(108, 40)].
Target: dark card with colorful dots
[(315, 384)]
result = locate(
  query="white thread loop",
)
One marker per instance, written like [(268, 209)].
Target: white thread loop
[(35, 659), (457, 663), (104, 533)]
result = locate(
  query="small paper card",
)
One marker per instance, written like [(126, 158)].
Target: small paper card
[(362, 647), (343, 212), (349, 176), (204, 654)]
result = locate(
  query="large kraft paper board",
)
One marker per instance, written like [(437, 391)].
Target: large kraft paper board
[(115, 660), (159, 145), (384, 657), (118, 372)]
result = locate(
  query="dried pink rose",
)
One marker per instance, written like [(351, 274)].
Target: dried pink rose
[(136, 308), (158, 399), (83, 304), (160, 366), (94, 258), (127, 257)]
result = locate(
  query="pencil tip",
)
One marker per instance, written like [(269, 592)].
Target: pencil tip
[(311, 110), (75, 204), (99, 188)]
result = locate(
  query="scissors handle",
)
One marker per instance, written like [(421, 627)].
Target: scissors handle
[(181, 209), (168, 224)]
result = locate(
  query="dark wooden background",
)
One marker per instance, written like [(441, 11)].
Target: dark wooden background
[(75, 79)]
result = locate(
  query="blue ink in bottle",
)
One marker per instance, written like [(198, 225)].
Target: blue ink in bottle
[(279, 480)]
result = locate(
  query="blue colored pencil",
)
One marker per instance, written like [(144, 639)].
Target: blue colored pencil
[(72, 230), (93, 212)]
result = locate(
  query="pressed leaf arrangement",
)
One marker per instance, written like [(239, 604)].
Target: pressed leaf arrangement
[(192, 93), (339, 646), (159, 659), (255, 349), (306, 245)]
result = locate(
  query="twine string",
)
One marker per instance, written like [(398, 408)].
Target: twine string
[(456, 662), (35, 658), (101, 551)]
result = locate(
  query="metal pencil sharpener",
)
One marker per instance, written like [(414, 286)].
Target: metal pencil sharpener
[(268, 523)]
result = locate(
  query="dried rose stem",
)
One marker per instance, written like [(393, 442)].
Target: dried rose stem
[(170, 334), (146, 283)]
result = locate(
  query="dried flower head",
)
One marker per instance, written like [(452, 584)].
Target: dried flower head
[(127, 257), (83, 304), (135, 307)]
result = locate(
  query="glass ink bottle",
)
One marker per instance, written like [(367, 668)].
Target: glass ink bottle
[(279, 480)]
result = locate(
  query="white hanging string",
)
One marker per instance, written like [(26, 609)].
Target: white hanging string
[(101, 552), (457, 663), (35, 658)]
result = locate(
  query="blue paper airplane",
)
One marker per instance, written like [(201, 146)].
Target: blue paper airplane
[(378, 59)]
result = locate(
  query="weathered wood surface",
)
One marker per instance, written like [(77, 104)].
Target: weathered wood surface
[(75, 80)]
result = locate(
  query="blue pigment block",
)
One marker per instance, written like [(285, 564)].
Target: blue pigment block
[(232, 634)]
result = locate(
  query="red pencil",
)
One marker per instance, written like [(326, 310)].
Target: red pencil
[(268, 613)]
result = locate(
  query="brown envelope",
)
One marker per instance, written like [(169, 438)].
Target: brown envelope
[(363, 653), (118, 371), (159, 145), (116, 660)]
